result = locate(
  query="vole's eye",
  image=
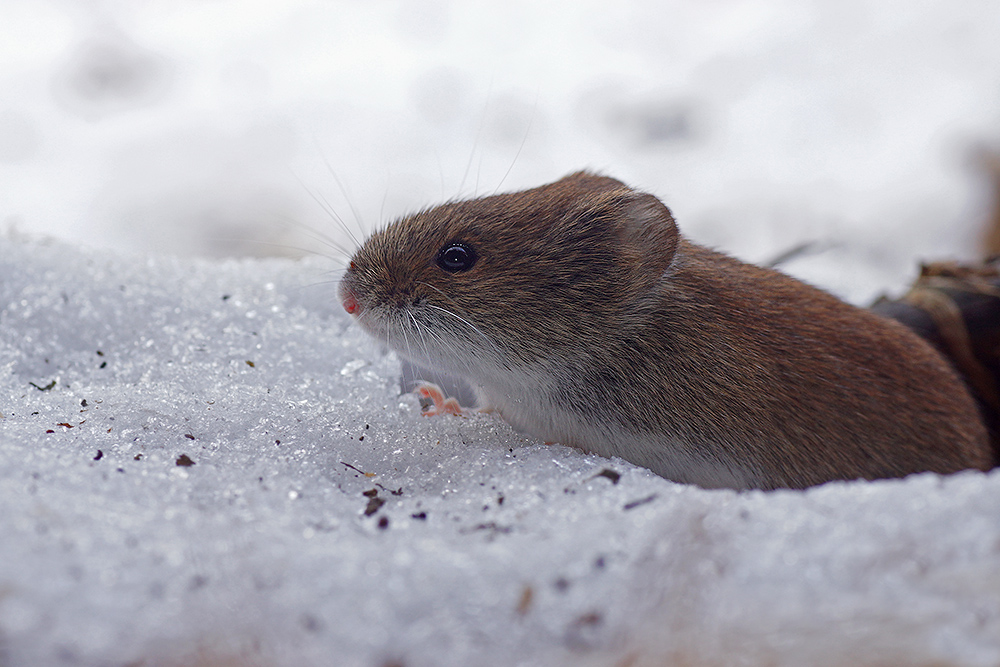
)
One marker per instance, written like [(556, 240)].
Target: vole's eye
[(456, 257)]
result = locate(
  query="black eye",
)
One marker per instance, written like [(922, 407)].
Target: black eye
[(456, 257)]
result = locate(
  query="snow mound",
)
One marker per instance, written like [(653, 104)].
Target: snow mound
[(206, 463)]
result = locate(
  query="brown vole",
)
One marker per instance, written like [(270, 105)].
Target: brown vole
[(578, 312)]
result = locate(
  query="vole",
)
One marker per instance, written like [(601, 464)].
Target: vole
[(578, 312)]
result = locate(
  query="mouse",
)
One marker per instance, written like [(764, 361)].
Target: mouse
[(579, 313)]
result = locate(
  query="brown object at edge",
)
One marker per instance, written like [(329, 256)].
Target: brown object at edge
[(956, 308)]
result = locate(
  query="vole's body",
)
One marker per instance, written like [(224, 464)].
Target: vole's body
[(585, 319)]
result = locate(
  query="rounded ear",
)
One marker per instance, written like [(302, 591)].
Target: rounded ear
[(647, 232), (646, 235)]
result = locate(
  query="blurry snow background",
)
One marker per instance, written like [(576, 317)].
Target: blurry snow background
[(206, 127), (175, 130)]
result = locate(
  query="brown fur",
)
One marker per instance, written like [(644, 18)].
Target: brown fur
[(588, 320)]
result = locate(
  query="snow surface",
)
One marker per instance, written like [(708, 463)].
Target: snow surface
[(192, 128), (488, 549)]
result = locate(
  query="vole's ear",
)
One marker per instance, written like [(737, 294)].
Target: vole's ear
[(646, 230), (638, 224), (649, 230)]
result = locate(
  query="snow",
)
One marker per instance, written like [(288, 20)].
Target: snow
[(488, 549), (146, 135)]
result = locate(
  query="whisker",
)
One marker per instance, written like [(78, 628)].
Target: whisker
[(421, 329), (459, 318), (343, 191), (440, 173), (268, 244), (409, 343), (381, 208), (438, 290), (479, 132), (318, 284), (479, 170), (452, 348), (406, 340), (416, 327), (347, 198), (470, 325), (441, 340), (330, 211), (524, 139), (388, 327)]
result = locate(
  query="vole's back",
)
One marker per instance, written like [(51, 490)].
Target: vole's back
[(800, 386)]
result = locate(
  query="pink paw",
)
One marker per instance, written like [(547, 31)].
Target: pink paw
[(441, 404)]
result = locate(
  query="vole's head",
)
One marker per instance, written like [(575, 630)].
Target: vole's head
[(514, 279)]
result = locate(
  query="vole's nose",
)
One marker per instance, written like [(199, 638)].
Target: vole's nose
[(350, 301), (351, 304)]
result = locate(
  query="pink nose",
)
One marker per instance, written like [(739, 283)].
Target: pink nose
[(351, 304)]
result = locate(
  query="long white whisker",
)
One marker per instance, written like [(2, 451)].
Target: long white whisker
[(459, 318), (343, 191), (442, 341), (440, 173), (327, 206), (479, 170), (347, 197), (330, 211), (419, 330), (479, 132), (272, 244), (524, 139), (438, 290), (406, 339), (381, 209), (416, 327), (470, 325), (388, 327), (320, 236)]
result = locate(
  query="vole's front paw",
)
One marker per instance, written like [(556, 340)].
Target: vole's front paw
[(440, 405)]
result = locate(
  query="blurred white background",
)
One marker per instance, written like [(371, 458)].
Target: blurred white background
[(211, 127), (221, 128)]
